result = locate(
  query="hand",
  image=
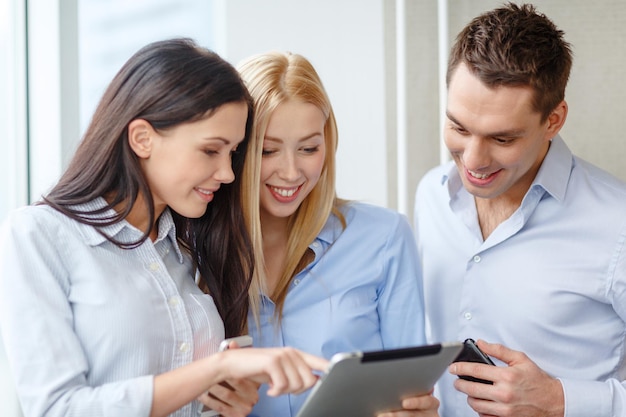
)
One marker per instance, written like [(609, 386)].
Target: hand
[(421, 406), (520, 389), (232, 398), (285, 370)]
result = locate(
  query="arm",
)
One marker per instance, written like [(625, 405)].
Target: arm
[(401, 301), (50, 366), (286, 370), (401, 308)]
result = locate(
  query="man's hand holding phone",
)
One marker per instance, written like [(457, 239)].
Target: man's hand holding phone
[(520, 388), (471, 353)]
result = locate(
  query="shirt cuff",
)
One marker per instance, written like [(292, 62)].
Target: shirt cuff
[(586, 398), (134, 398)]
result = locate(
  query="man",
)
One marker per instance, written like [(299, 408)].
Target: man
[(522, 243)]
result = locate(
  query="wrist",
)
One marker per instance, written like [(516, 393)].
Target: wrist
[(557, 405)]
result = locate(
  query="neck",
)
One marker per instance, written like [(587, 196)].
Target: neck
[(275, 236), (139, 216)]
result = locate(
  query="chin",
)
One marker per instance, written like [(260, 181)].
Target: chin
[(192, 213)]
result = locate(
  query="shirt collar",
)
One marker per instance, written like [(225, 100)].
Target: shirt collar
[(329, 234), (553, 175), (124, 231)]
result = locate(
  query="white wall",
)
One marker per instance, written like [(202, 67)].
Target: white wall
[(344, 41)]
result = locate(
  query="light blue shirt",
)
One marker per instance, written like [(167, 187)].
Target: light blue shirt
[(550, 281), (362, 292), (87, 325)]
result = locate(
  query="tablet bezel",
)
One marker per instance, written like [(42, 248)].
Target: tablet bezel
[(363, 384)]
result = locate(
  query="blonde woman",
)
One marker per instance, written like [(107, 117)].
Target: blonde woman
[(331, 275)]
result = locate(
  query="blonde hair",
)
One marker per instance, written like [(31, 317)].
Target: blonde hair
[(273, 78)]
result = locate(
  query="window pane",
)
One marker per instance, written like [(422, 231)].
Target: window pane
[(111, 31)]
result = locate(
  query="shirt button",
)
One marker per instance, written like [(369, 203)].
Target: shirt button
[(174, 301), (315, 244), (296, 281), (467, 316), (184, 347), (476, 258), (154, 266)]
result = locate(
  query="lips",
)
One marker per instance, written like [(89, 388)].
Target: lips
[(284, 194), (480, 179), (477, 175), (205, 194)]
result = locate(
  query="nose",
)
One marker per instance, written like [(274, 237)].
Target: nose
[(288, 170), (476, 154), (224, 173)]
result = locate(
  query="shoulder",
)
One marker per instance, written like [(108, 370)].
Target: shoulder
[(593, 188), (436, 178), (598, 178), (28, 217), (373, 217), (36, 222)]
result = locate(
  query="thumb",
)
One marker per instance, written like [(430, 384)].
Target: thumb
[(498, 351)]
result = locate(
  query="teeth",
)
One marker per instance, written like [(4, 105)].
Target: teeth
[(479, 176), (207, 192), (284, 192)]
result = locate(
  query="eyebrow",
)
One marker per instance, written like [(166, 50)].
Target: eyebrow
[(221, 139), (513, 133), (307, 137)]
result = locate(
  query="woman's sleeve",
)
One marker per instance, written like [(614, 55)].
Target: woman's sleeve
[(401, 302), (47, 361)]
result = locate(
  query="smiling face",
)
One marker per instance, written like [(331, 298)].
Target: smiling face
[(185, 165), (294, 150), (495, 137)]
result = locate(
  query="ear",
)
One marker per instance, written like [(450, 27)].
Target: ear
[(556, 119), (140, 137)]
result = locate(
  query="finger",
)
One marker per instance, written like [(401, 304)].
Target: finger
[(409, 413), (212, 402), (230, 401), (298, 372), (475, 389), (315, 362), (422, 402), (246, 389), (501, 352), (306, 370), (485, 408), (282, 374), (476, 370)]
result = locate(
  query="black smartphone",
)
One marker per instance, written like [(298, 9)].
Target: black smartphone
[(471, 353)]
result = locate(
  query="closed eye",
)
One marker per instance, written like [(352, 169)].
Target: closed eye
[(311, 149), (459, 129)]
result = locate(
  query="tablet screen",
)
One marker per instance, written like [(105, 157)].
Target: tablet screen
[(363, 384)]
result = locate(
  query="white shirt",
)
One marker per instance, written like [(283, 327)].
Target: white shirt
[(550, 281), (87, 325)]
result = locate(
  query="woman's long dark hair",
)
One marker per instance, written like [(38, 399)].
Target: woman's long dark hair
[(166, 83)]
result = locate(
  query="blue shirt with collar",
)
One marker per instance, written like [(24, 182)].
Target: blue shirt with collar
[(550, 281), (363, 291), (86, 324)]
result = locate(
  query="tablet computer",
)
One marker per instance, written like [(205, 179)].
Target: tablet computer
[(363, 384)]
